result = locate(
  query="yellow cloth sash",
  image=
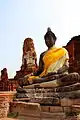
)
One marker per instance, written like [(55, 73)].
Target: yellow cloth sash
[(50, 57)]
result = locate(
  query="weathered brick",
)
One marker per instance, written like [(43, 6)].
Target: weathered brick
[(56, 109), (5, 98), (66, 102), (45, 108), (26, 109), (4, 104), (76, 101), (67, 109), (76, 108), (52, 116), (28, 118), (68, 88)]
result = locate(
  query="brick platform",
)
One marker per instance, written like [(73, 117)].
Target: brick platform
[(34, 111), (8, 118)]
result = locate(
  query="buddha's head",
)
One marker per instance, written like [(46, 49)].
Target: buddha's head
[(50, 38), (28, 45), (4, 71)]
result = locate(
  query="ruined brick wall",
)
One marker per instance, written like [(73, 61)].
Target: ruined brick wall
[(73, 48), (9, 85), (70, 49), (5, 99), (4, 106)]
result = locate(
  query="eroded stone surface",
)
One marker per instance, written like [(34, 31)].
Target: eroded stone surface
[(5, 98), (30, 109)]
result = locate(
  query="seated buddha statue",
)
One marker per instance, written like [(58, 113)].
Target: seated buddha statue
[(53, 64), (29, 59)]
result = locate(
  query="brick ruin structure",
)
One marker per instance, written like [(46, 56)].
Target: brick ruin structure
[(4, 74), (4, 80), (7, 84), (73, 47), (29, 59)]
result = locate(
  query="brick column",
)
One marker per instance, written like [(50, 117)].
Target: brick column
[(4, 106), (5, 99)]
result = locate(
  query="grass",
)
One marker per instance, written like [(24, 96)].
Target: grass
[(12, 114)]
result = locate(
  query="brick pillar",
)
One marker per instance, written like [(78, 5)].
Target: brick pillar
[(5, 99), (4, 106)]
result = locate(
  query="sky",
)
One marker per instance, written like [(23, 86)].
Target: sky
[(20, 19)]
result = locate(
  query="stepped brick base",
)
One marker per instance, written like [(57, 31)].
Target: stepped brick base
[(35, 111), (54, 102)]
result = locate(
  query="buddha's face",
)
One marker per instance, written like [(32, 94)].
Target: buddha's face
[(28, 45), (31, 45), (49, 41)]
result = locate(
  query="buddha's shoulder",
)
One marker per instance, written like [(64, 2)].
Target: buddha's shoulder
[(62, 48), (42, 54)]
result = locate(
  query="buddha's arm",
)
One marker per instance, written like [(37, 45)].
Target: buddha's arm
[(41, 66), (65, 67)]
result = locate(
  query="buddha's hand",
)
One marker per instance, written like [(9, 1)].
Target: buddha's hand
[(27, 76), (62, 69), (51, 73), (59, 71)]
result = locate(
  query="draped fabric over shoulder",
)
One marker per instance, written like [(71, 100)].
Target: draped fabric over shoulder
[(53, 59)]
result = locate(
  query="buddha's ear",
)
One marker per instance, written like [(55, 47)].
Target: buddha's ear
[(48, 29)]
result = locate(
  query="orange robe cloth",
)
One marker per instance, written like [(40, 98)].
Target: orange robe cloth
[(50, 57)]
